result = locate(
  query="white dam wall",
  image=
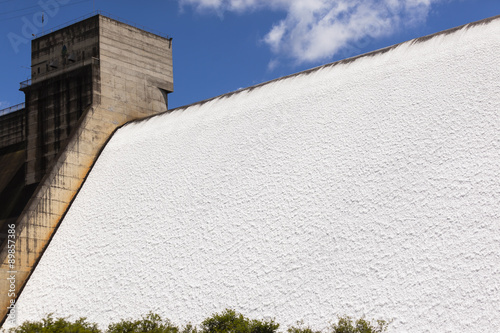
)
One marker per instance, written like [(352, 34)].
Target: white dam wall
[(370, 187)]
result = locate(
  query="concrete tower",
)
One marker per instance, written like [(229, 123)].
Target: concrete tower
[(97, 61), (87, 79)]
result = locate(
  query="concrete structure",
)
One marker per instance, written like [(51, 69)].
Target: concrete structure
[(87, 79), (119, 66), (367, 186), (14, 194)]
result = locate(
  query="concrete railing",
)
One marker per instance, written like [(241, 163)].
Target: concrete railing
[(13, 108), (25, 83)]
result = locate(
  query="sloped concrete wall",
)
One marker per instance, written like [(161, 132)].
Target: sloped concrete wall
[(365, 187)]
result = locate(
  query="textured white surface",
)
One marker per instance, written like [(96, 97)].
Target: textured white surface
[(371, 187)]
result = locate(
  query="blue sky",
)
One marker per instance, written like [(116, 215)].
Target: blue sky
[(223, 45)]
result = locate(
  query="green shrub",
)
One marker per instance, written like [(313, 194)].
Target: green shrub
[(59, 325), (231, 322), (294, 329), (228, 321), (301, 329), (348, 325), (151, 323), (189, 329)]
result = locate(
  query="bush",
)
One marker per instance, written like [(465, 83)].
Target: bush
[(231, 322), (59, 325), (347, 325), (301, 329), (150, 323)]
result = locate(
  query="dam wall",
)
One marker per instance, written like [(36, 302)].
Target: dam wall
[(369, 187)]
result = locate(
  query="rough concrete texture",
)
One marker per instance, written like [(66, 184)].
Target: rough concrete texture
[(370, 187), (41, 217), (57, 51), (63, 82), (12, 129), (135, 65)]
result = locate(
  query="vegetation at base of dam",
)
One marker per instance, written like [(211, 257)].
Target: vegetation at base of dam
[(228, 321)]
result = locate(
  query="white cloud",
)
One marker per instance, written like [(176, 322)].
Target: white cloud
[(203, 4), (313, 30), (275, 37), (272, 64)]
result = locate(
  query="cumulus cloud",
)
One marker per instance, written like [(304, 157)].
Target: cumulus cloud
[(313, 30)]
